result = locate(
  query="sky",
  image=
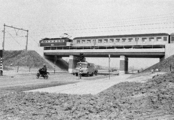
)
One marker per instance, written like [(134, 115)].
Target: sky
[(52, 18)]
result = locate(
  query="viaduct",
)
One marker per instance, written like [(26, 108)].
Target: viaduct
[(124, 54)]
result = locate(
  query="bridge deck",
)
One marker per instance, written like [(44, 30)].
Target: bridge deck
[(152, 53)]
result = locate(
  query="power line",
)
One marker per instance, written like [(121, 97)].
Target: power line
[(15, 28), (120, 27), (13, 38)]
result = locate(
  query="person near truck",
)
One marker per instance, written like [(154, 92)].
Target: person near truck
[(80, 72)]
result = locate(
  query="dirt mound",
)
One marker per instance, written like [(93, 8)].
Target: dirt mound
[(24, 58), (125, 101), (164, 65)]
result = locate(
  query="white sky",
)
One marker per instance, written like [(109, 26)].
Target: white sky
[(52, 18)]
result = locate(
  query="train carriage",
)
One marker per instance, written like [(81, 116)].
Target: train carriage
[(122, 40), (55, 42), (152, 40)]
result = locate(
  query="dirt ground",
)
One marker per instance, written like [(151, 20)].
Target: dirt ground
[(24, 80), (152, 99)]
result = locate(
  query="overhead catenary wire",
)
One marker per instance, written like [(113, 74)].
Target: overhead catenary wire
[(13, 38), (146, 23), (82, 26)]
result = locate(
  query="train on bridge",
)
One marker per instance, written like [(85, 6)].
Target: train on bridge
[(152, 40)]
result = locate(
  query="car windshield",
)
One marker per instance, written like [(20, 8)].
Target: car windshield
[(81, 65)]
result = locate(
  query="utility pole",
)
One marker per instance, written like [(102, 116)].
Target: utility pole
[(26, 48), (109, 66), (1, 53), (3, 45)]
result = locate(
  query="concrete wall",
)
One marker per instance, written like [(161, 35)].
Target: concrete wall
[(169, 50), (57, 62), (72, 63)]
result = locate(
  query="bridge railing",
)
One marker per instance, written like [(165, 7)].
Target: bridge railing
[(107, 47)]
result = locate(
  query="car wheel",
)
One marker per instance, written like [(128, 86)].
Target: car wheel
[(92, 74), (87, 74)]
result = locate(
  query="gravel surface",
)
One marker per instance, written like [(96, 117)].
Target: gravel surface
[(150, 100), (85, 87)]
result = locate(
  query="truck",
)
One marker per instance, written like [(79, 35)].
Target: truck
[(88, 69)]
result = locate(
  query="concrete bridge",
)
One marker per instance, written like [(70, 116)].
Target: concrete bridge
[(123, 54)]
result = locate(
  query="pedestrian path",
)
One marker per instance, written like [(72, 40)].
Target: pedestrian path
[(90, 87)]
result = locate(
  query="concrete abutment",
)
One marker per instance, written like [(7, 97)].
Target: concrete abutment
[(169, 50), (56, 62), (73, 60)]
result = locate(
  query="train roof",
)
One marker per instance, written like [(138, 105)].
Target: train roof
[(129, 35), (56, 38)]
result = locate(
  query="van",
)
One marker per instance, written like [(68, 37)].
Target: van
[(88, 69)]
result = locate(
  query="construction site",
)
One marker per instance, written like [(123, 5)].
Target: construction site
[(63, 96), (87, 60)]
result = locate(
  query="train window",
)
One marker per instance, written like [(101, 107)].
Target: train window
[(83, 41), (46, 48), (130, 39), (48, 41), (151, 38), (105, 40), (111, 40), (172, 39), (100, 41), (123, 39), (165, 38), (88, 41), (158, 38), (63, 40), (117, 40), (78, 41), (144, 39)]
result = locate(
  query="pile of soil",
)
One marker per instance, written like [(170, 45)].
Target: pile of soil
[(151, 100), (165, 65), (24, 58)]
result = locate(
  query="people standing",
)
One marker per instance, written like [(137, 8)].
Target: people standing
[(80, 72)]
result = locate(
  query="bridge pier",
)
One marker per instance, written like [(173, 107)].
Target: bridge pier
[(162, 58), (72, 63), (123, 65)]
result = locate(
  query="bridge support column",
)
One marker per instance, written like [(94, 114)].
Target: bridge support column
[(72, 63), (123, 65), (161, 59)]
